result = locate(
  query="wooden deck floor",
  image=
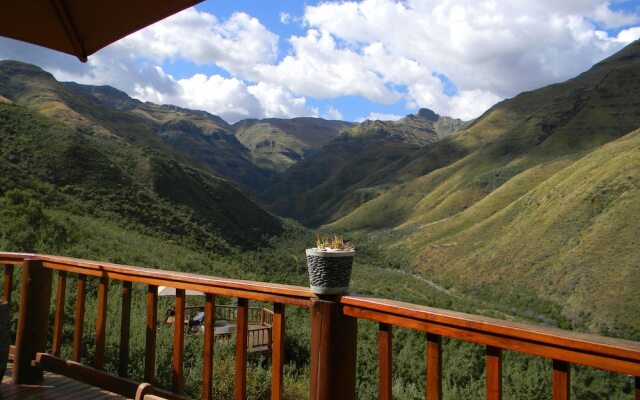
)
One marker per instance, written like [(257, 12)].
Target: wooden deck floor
[(53, 386)]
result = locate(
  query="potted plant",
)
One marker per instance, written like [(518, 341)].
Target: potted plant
[(329, 265)]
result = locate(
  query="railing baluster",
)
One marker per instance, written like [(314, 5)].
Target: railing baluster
[(78, 328), (209, 333), (101, 322), (7, 285), (561, 380), (637, 379), (333, 351), (494, 373), (177, 381), (58, 322), (125, 327), (242, 322), (31, 335), (150, 339), (384, 361), (434, 367), (277, 350)]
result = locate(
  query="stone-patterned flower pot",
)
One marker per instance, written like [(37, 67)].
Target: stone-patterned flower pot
[(329, 271), (5, 335)]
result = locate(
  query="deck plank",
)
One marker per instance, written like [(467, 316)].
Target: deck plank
[(53, 386)]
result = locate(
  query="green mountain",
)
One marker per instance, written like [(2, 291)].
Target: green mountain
[(335, 180), (196, 138), (206, 139), (69, 158), (534, 203), (276, 144)]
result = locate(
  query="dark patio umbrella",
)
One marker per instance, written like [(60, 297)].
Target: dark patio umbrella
[(81, 27)]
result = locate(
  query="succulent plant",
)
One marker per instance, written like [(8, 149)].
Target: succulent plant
[(335, 242)]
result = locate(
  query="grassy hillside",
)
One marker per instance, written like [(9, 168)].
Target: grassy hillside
[(537, 204), (141, 186), (195, 138), (276, 144)]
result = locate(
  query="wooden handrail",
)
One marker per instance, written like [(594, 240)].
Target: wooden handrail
[(262, 291), (333, 335), (617, 355)]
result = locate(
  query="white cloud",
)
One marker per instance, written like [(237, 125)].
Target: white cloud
[(285, 18), (469, 104), (320, 68), (383, 50), (228, 97), (489, 50), (333, 113), (613, 19), (237, 44), (628, 35), (276, 101), (380, 117)]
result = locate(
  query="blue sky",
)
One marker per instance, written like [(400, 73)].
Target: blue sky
[(351, 60)]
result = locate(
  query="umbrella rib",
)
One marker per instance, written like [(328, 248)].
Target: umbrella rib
[(70, 29)]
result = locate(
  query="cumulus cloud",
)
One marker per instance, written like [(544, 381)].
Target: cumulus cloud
[(236, 44), (380, 117), (457, 58), (490, 50), (285, 18), (276, 101), (321, 69), (613, 19), (333, 113)]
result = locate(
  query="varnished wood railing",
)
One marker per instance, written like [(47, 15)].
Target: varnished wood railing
[(561, 346), (333, 331), (37, 274)]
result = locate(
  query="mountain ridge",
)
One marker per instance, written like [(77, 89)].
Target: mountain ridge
[(514, 214)]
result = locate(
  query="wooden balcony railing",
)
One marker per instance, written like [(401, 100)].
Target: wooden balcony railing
[(333, 332)]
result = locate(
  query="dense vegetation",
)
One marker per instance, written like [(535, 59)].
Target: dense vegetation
[(525, 377)]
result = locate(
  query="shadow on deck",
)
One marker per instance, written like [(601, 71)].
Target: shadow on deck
[(53, 386)]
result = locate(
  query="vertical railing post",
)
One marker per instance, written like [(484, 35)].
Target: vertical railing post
[(101, 322), (637, 379), (242, 326), (31, 335), (7, 285), (385, 335), (209, 334), (177, 373), (434, 367), (58, 322), (276, 345), (125, 328), (560, 380), (333, 351), (494, 373), (78, 324), (150, 336)]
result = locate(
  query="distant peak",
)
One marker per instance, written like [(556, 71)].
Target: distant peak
[(427, 114), (16, 67), (104, 90)]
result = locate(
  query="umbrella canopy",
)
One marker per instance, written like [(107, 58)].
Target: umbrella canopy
[(171, 291), (82, 27)]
